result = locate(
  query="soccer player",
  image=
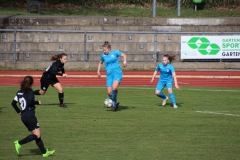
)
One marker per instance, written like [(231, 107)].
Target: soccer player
[(167, 76), (114, 72), (49, 77), (26, 100)]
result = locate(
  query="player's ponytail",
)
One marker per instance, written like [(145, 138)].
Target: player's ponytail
[(26, 83), (170, 57), (57, 56), (106, 44)]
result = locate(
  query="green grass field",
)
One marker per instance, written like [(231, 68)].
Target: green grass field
[(125, 11), (204, 126)]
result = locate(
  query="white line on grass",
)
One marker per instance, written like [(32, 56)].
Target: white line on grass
[(212, 112), (147, 87), (214, 90)]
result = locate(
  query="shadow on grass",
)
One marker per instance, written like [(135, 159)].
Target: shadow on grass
[(1, 109), (123, 108), (120, 108), (56, 104), (36, 152), (170, 105)]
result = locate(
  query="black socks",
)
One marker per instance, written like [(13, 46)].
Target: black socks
[(38, 141), (28, 139), (61, 96), (40, 145)]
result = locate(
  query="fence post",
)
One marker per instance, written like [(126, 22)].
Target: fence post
[(154, 9), (85, 46), (15, 46), (178, 7), (155, 47)]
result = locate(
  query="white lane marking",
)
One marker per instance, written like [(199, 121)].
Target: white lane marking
[(147, 87), (183, 83), (212, 112)]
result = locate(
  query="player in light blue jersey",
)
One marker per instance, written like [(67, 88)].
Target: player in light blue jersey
[(167, 76), (113, 71)]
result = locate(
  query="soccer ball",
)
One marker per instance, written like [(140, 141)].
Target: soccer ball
[(108, 102)]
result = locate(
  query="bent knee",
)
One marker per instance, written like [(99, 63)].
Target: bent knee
[(38, 135), (157, 92), (60, 90), (169, 91)]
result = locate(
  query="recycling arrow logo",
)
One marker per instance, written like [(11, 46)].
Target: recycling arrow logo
[(203, 45)]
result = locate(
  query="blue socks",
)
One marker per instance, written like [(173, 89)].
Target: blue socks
[(172, 97), (114, 96), (161, 95)]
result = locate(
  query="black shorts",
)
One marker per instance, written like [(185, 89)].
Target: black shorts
[(46, 80), (29, 120)]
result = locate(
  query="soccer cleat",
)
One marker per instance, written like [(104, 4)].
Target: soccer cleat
[(164, 101), (115, 106), (174, 106), (117, 103), (17, 146), (48, 153), (63, 105)]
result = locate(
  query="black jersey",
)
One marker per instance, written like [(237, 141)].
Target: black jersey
[(54, 69), (26, 101)]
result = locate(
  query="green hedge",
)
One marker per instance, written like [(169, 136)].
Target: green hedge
[(210, 3)]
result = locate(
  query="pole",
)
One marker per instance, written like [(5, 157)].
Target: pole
[(154, 8), (15, 46), (155, 48), (178, 7), (85, 47)]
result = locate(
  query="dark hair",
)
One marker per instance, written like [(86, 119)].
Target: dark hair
[(57, 56), (26, 83), (170, 57), (106, 44)]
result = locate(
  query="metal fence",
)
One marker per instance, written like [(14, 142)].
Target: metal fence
[(148, 45)]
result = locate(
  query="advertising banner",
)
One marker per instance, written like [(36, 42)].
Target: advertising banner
[(210, 47)]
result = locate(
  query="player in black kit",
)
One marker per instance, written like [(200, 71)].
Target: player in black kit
[(49, 77), (26, 100)]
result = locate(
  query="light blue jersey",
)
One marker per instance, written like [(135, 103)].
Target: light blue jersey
[(165, 80), (165, 72), (111, 61)]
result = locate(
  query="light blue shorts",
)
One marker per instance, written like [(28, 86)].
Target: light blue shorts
[(114, 76), (162, 84)]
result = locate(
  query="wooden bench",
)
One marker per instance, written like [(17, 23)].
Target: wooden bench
[(33, 3)]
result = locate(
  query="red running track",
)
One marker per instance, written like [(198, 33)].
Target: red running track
[(131, 78)]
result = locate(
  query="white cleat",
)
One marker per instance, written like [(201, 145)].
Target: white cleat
[(174, 106), (164, 101)]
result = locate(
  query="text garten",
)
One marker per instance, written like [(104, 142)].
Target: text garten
[(230, 54)]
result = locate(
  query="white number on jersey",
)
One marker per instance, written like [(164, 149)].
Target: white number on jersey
[(22, 102)]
